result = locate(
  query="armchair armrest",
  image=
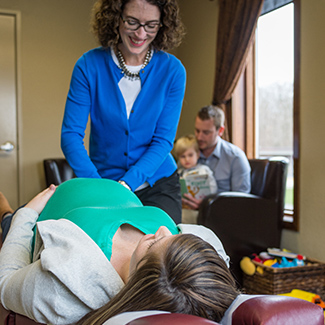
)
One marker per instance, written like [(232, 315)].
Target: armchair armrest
[(215, 199), (57, 170), (10, 318), (277, 310), (243, 217)]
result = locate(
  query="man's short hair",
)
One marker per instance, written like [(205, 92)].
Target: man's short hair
[(212, 112)]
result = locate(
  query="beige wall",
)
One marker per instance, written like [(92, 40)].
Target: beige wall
[(197, 53), (311, 238), (55, 33)]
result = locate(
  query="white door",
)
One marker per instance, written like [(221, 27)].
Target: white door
[(8, 109)]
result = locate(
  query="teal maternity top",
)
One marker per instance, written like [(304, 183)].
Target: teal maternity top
[(100, 206)]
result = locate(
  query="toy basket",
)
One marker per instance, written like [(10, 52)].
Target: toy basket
[(310, 277)]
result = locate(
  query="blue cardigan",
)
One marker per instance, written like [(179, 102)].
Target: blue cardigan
[(137, 149)]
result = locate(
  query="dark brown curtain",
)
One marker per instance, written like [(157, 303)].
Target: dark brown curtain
[(236, 32)]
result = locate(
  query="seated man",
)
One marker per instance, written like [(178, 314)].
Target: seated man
[(229, 163)]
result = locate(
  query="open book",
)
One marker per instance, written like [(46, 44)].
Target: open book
[(197, 185)]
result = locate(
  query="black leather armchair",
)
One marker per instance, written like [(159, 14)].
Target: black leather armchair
[(249, 223), (57, 170)]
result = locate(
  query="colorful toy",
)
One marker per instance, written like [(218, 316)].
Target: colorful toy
[(247, 266), (284, 253), (273, 258), (270, 262), (305, 295)]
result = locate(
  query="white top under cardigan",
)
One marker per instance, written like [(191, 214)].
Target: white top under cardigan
[(72, 275), (130, 90)]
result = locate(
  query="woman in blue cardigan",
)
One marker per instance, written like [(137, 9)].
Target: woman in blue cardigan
[(132, 90)]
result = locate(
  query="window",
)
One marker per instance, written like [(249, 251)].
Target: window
[(267, 96), (274, 90)]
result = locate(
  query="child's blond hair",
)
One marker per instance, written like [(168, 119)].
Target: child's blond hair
[(184, 143)]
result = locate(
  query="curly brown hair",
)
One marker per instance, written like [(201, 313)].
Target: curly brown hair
[(106, 19)]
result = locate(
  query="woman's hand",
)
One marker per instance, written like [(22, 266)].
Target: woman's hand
[(39, 201), (191, 202)]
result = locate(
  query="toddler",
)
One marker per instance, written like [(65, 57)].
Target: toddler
[(187, 153)]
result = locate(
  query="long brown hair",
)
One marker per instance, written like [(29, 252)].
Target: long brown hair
[(188, 278), (106, 19)]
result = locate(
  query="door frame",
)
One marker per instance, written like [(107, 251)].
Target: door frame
[(17, 15)]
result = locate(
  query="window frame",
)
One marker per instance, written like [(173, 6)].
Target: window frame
[(243, 118)]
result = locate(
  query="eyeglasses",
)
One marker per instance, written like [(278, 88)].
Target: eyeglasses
[(134, 24)]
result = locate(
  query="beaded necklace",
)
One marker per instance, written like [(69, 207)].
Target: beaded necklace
[(127, 73)]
